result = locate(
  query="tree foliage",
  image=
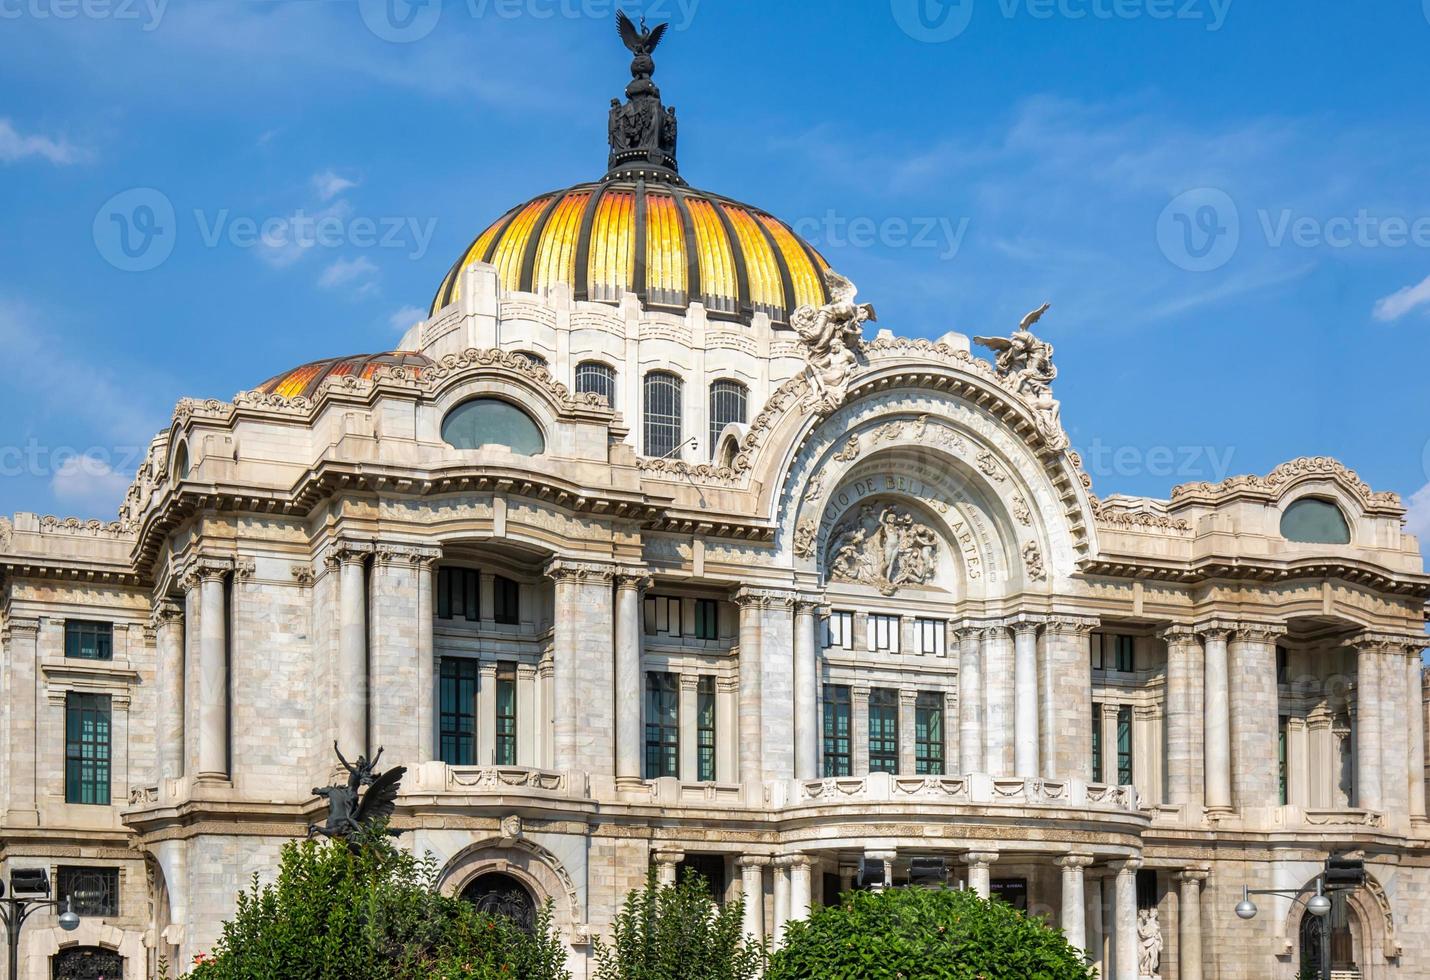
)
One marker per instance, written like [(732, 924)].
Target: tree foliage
[(371, 912), (678, 932), (924, 934)]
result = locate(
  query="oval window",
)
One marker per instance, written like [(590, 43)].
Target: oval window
[(492, 422), (1314, 521)]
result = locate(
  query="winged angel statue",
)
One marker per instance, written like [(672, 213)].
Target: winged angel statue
[(831, 335), (1027, 363), (347, 813)]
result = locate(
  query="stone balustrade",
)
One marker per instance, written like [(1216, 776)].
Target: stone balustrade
[(975, 789)]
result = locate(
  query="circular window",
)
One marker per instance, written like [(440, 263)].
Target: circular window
[(496, 893), (492, 422), (1314, 521)]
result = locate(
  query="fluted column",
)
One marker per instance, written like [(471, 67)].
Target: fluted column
[(752, 886), (1025, 698), (780, 868), (213, 668), (806, 691), (352, 652), (970, 701), (801, 886), (628, 678), (1074, 910), (22, 637), (998, 701), (1189, 918), (1125, 931), (979, 871), (1415, 696), (1367, 728), (750, 715), (1184, 722), (727, 695), (1216, 719), (167, 621), (688, 716), (1254, 714)]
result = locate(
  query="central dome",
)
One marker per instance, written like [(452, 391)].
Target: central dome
[(667, 243)]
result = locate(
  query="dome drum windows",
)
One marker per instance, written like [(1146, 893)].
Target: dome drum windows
[(662, 408), (1313, 520), (729, 402), (598, 378), (484, 421)]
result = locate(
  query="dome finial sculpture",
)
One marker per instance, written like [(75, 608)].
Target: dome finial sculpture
[(642, 132)]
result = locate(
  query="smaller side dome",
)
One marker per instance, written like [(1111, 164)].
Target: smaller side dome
[(305, 379), (1312, 520)]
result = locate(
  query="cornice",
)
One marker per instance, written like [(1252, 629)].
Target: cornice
[(1348, 570), (1283, 479)]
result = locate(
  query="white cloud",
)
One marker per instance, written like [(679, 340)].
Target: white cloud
[(404, 318), (358, 275), (15, 146), (1396, 305), (1417, 518), (89, 485), (288, 239), (329, 184)]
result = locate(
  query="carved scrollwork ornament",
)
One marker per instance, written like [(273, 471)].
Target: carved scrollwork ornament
[(1033, 561)]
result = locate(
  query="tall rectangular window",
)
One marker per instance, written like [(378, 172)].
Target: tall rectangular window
[(457, 711), (593, 376), (838, 719), (883, 730), (707, 619), (662, 725), (88, 640), (930, 634), (1124, 745), (705, 729), (662, 615), (1283, 660), (727, 404), (458, 591), (90, 891), (840, 626), (928, 734), (662, 404), (87, 722), (1097, 775), (1281, 728), (506, 601), (506, 715), (884, 632), (1123, 653)]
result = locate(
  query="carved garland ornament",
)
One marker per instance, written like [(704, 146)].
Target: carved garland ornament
[(886, 550)]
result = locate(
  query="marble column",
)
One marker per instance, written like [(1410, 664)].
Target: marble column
[(352, 653), (751, 731), (485, 737), (1125, 928), (806, 691), (1367, 728), (727, 693), (22, 637), (998, 701), (979, 871), (689, 718), (908, 732), (1394, 729), (666, 865), (1414, 687), (1216, 719), (780, 869), (1096, 932), (583, 678), (1298, 791), (1184, 724), (752, 886), (425, 567), (801, 871), (971, 756), (1189, 918), (1254, 715), (168, 623), (1067, 698), (1074, 911), (1025, 699), (213, 672), (628, 678)]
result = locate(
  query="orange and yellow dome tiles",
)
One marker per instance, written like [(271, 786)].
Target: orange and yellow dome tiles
[(304, 380), (669, 244)]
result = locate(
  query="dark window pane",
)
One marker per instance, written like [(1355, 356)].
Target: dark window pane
[(1096, 743), (883, 730), (706, 619), (928, 734), (506, 601), (593, 376), (87, 748), (662, 725), (506, 715), (457, 690), (663, 394), (705, 729), (90, 891), (1124, 745), (86, 640), (838, 719), (1315, 521), (492, 422)]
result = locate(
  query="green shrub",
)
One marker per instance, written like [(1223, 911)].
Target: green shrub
[(923, 934), (678, 932), (372, 912)]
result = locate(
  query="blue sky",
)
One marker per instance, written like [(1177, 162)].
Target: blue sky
[(1227, 203)]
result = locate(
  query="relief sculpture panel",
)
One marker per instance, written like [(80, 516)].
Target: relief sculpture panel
[(883, 547)]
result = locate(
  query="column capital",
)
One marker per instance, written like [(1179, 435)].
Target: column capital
[(664, 856), (203, 568), (968, 631), (1069, 623), (166, 612), (1079, 861), (908, 696), (1259, 632), (1179, 634), (1193, 875), (1127, 866), (746, 862), (764, 597), (1214, 628), (975, 858), (689, 682), (19, 626), (569, 570), (797, 860), (633, 577), (402, 553), (1389, 642)]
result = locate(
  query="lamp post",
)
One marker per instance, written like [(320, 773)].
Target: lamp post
[(1318, 905), (25, 885)]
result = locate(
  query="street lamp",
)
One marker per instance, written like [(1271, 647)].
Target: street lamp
[(28, 890), (1318, 905)]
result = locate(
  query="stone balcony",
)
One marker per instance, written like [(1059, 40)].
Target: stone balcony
[(977, 789)]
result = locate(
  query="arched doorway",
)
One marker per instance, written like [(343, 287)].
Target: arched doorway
[(87, 963), (1331, 937), (497, 893)]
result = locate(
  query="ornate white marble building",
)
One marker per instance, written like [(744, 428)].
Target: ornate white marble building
[(644, 550)]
